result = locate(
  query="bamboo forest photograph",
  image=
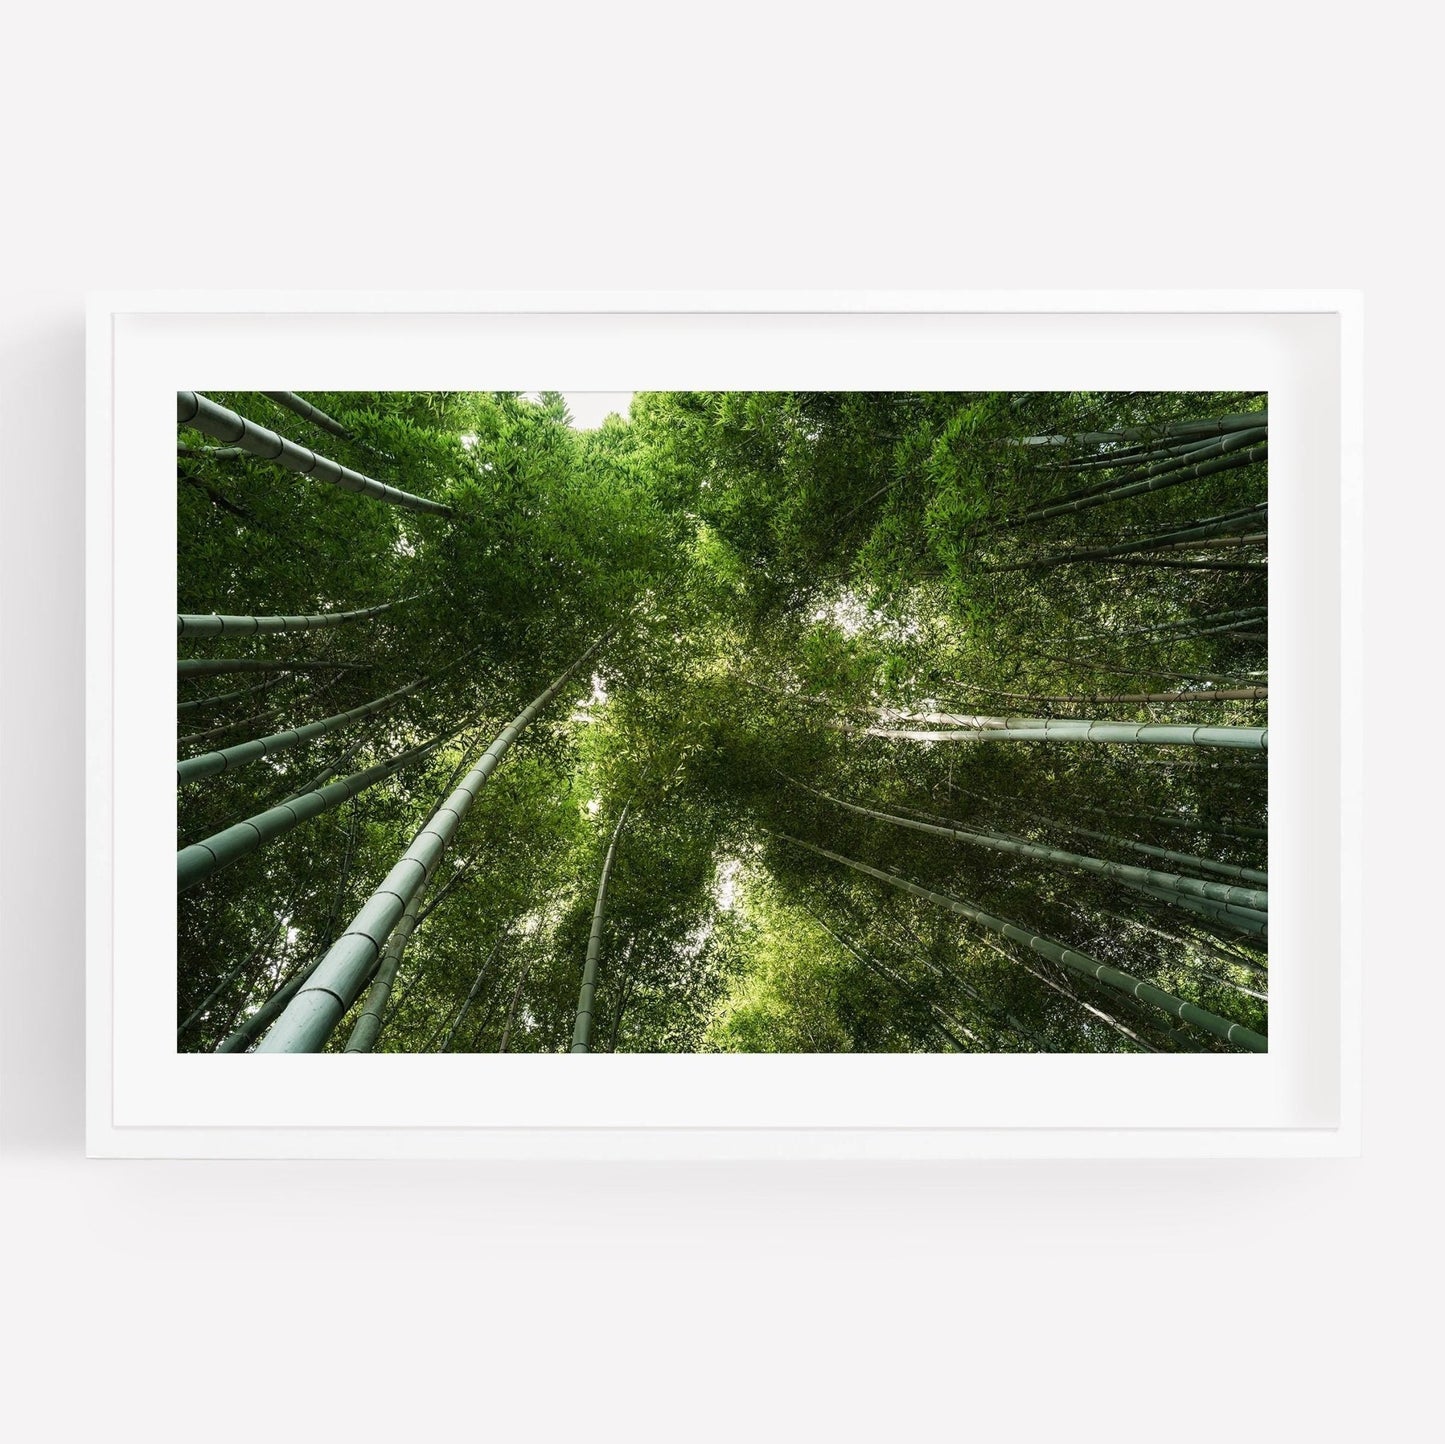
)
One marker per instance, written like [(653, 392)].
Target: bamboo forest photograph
[(722, 722)]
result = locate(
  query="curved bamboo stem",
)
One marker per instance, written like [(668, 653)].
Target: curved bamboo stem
[(193, 409)]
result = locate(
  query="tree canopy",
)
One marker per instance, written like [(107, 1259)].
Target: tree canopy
[(897, 722)]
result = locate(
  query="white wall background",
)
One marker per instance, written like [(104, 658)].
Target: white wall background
[(747, 145)]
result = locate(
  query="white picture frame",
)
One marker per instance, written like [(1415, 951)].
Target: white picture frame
[(1300, 1099)]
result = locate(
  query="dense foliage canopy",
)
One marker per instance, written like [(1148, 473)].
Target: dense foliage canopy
[(818, 633)]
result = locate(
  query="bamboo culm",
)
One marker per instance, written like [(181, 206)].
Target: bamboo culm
[(317, 1008), (1228, 531), (1180, 624), (1055, 952), (1203, 945), (512, 1009), (1203, 694), (227, 759), (222, 666), (193, 409), (1107, 1018), (1158, 477), (197, 704), (1170, 882), (222, 728), (902, 983), (1171, 430), (213, 625), (467, 1002), (373, 1013), (1045, 729), (307, 412), (367, 1028), (1189, 564), (204, 1006), (1164, 854), (582, 1029), (1251, 921), (1125, 457), (201, 859), (243, 1036)]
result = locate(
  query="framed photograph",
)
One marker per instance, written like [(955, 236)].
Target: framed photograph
[(781, 725)]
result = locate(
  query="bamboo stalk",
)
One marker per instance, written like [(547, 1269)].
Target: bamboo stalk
[(222, 728), (1189, 564), (1235, 615), (226, 759), (1182, 859), (213, 453), (223, 666), (899, 982), (201, 859), (470, 998), (1098, 664), (213, 625), (368, 1026), (512, 1009), (1163, 734), (1218, 533), (219, 498), (1108, 1018), (1206, 946), (1242, 919), (1227, 894), (1001, 1017), (1127, 456), (256, 955), (1161, 475), (1170, 429), (193, 409), (582, 1029), (1236, 694), (317, 1008), (307, 412), (198, 703), (1069, 958)]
